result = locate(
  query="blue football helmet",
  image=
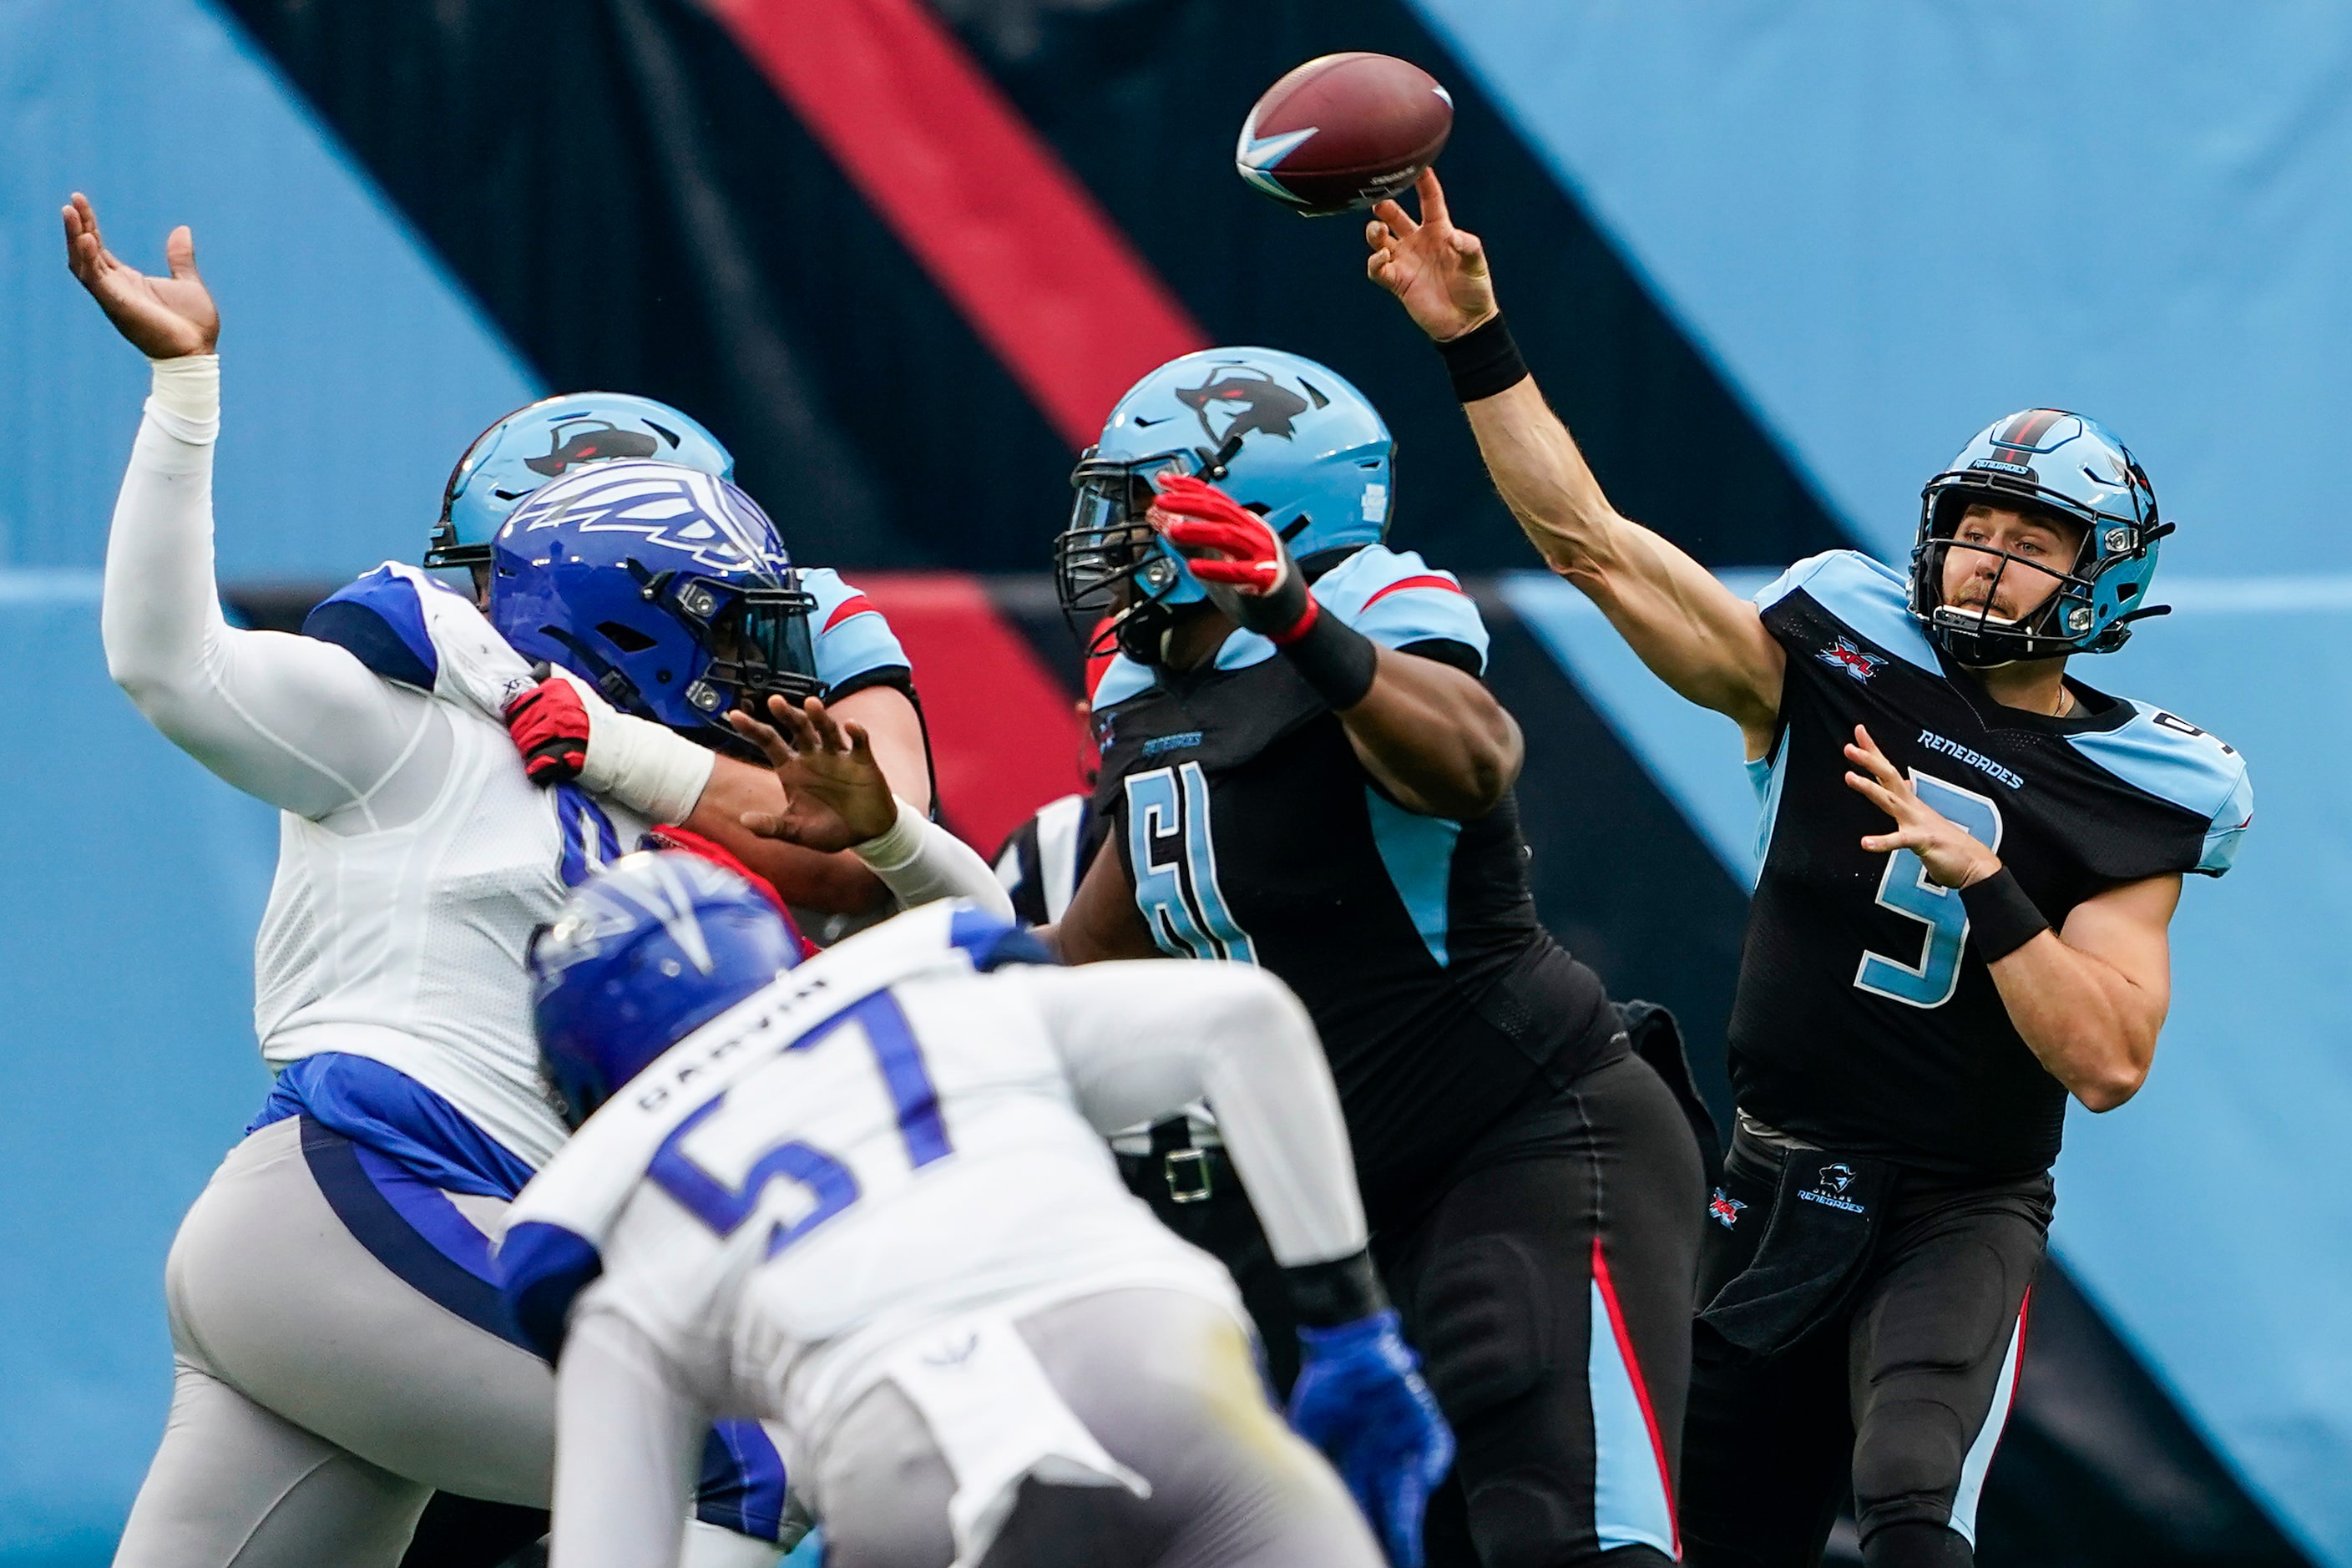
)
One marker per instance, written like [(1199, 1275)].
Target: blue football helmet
[(2050, 461), (1284, 436), (544, 441), (667, 589), (637, 958)]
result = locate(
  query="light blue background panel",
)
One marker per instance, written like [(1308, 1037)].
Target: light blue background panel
[(354, 375), (1888, 224), (352, 372), (128, 902)]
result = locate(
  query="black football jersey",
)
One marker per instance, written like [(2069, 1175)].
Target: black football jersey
[(1252, 832), (1866, 1020)]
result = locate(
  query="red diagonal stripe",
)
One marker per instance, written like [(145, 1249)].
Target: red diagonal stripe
[(1005, 230), (1004, 733)]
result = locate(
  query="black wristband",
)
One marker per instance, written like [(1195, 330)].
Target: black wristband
[(2001, 917), (1324, 1295), (1338, 661), (1482, 362)]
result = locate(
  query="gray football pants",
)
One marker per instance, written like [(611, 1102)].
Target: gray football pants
[(1165, 1384), (317, 1400)]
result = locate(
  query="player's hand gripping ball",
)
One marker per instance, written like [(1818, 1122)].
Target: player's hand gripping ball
[(1344, 132), (1360, 1399)]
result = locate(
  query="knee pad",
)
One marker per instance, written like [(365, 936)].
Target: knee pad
[(1483, 1322), (1520, 1522), (1906, 1463)]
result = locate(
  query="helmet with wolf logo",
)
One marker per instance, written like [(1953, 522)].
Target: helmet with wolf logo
[(543, 441), (665, 588), (1286, 436)]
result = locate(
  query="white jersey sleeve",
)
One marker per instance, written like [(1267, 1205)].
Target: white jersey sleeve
[(1140, 1040), (295, 721)]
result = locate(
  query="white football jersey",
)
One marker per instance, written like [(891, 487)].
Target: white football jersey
[(883, 1140), (405, 946)]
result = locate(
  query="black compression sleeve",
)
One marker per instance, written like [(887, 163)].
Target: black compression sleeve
[(2001, 917), (1482, 362), (1339, 661), (1324, 1295)]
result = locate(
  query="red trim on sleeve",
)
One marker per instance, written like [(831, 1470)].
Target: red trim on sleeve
[(855, 604), (1426, 580)]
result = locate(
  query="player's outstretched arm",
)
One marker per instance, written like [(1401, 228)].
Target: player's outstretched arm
[(807, 871), (294, 722), (627, 1442), (1698, 636), (2090, 998), (827, 790)]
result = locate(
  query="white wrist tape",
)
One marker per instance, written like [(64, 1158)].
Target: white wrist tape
[(919, 861), (650, 768), (184, 400)]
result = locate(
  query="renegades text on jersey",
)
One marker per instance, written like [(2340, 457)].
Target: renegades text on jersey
[(1865, 1021)]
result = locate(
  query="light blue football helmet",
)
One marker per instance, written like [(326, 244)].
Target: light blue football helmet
[(1281, 435), (545, 440), (2047, 460)]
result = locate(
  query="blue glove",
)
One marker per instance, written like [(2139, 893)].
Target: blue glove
[(1360, 1398)]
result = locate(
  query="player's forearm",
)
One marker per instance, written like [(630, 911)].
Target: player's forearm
[(2091, 1028), (626, 1442), (161, 608), (1435, 737), (1141, 1040), (1543, 478), (1695, 634), (833, 883)]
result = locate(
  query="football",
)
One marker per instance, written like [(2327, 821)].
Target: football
[(1344, 132)]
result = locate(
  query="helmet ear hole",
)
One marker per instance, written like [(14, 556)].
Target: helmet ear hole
[(627, 638)]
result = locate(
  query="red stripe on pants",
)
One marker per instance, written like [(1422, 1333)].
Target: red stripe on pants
[(1006, 231)]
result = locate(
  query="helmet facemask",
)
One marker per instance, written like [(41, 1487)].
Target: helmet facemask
[(755, 630), (1116, 579)]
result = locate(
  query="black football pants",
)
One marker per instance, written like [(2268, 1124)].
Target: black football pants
[(1900, 1391), (1548, 1290)]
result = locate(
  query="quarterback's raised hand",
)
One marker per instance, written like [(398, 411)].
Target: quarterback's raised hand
[(1952, 855), (835, 792), (1438, 272), (164, 317)]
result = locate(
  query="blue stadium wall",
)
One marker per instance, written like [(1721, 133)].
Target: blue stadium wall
[(1773, 265)]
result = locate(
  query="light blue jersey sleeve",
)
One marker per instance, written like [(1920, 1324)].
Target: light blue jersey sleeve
[(2174, 760), (1397, 599), (1869, 596), (851, 637)]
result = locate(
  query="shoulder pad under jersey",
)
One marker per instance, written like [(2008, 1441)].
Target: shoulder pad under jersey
[(1397, 599), (1868, 597), (2174, 760), (851, 636)]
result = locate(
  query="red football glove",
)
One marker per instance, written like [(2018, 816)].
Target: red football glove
[(548, 725), (1230, 547)]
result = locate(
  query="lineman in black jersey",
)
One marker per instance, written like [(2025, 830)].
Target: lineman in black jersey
[(1969, 862), (1317, 781)]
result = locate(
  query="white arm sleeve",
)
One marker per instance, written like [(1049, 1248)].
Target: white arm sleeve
[(919, 861), (298, 722), (1141, 1039), (627, 1440)]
